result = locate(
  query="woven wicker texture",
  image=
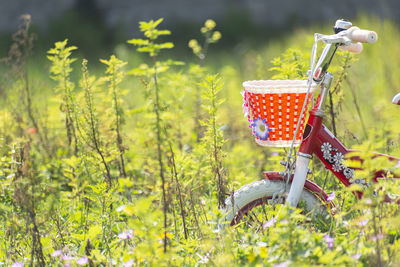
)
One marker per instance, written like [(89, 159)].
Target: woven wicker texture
[(279, 110)]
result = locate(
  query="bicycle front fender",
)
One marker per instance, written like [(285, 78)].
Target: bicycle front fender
[(308, 185)]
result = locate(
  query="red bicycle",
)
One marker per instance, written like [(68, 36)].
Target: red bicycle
[(276, 112)]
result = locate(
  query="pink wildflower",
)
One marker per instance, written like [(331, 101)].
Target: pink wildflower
[(269, 223), (128, 263), (126, 235), (368, 201), (397, 165), (82, 261), (66, 257), (329, 240), (377, 237), (363, 222), (56, 253), (331, 196)]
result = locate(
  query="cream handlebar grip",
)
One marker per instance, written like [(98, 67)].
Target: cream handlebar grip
[(355, 48), (363, 36)]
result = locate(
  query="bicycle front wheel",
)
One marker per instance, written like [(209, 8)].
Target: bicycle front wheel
[(248, 204)]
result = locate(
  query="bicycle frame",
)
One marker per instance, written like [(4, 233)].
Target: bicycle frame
[(319, 141), (331, 152)]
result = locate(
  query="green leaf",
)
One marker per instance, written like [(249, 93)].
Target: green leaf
[(164, 32), (138, 42), (94, 231), (106, 62), (165, 46), (146, 49), (157, 22)]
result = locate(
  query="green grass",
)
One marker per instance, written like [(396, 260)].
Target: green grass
[(54, 197)]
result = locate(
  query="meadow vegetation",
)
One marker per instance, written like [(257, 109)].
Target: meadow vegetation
[(129, 165)]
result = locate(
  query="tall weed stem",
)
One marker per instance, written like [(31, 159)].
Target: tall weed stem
[(213, 137), (159, 151), (114, 78), (92, 120), (61, 70)]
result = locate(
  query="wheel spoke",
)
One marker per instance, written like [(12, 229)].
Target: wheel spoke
[(255, 216), (264, 212), (251, 214), (260, 224)]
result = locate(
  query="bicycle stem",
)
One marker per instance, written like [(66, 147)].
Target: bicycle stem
[(324, 90), (323, 62), (322, 77)]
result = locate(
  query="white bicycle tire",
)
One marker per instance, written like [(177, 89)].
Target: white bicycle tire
[(262, 189)]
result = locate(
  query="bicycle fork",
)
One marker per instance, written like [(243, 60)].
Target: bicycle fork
[(304, 156), (299, 179)]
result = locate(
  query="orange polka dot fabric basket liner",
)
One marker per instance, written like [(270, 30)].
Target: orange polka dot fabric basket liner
[(273, 109)]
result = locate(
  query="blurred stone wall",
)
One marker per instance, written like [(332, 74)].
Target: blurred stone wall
[(264, 12)]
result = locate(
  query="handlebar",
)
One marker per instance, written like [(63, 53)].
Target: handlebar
[(355, 48), (350, 39), (364, 36), (357, 37), (347, 38)]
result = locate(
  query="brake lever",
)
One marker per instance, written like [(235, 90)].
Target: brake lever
[(334, 39)]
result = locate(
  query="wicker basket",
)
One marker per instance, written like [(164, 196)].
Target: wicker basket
[(273, 109)]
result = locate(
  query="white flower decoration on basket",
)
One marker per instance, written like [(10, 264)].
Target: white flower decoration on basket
[(260, 128)]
